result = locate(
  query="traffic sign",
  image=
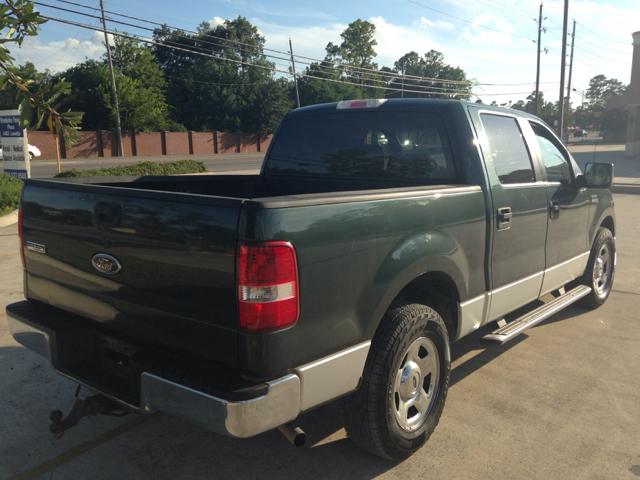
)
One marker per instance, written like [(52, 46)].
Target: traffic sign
[(53, 126)]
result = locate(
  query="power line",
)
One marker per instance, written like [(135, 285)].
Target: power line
[(605, 38), (468, 21), (503, 10), (360, 70), (264, 67), (602, 48)]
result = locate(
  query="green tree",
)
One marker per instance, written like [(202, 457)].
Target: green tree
[(356, 52), (441, 80), (140, 84), (601, 87), (347, 71), (221, 79)]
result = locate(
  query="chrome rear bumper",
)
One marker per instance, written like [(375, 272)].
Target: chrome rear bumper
[(280, 404)]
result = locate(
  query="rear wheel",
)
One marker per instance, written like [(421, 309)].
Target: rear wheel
[(30, 155), (600, 270), (405, 382)]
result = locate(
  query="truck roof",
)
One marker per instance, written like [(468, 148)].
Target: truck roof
[(429, 105)]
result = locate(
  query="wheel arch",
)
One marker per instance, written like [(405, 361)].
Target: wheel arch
[(437, 290), (608, 223)]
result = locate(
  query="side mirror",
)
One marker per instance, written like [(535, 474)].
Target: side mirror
[(598, 175), (581, 181)]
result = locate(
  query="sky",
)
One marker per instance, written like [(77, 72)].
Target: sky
[(493, 41)]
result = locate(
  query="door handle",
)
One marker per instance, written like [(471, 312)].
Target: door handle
[(554, 209), (504, 218)]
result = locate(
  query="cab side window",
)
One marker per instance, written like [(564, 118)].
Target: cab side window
[(555, 163), (508, 151)]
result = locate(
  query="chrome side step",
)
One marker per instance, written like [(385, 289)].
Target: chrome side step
[(528, 320)]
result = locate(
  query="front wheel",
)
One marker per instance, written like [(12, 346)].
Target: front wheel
[(404, 387), (600, 270)]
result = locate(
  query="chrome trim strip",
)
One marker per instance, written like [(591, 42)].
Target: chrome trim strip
[(472, 314), (474, 299), (515, 295), (332, 376), (497, 290), (567, 261), (281, 404), (562, 273)]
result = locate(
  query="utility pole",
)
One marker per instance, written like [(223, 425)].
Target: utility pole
[(563, 64), (573, 37), (293, 69), (114, 93), (402, 96), (538, 69)]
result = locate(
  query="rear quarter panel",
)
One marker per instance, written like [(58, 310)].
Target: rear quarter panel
[(355, 257)]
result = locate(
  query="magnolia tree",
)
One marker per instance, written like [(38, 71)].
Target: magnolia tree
[(18, 21)]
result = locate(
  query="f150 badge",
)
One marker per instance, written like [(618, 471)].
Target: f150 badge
[(106, 263)]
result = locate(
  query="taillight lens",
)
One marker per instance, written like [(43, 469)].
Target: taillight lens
[(24, 265), (267, 281)]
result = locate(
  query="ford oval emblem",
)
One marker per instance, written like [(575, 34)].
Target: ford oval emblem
[(106, 263)]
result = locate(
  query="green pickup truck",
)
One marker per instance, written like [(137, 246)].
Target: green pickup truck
[(377, 233)]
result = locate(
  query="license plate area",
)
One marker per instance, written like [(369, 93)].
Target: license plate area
[(99, 361), (115, 355)]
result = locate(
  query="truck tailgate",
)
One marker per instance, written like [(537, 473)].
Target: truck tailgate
[(174, 252)]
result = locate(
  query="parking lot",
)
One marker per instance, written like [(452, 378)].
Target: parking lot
[(560, 401)]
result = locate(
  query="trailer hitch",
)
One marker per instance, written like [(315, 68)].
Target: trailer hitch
[(90, 406)]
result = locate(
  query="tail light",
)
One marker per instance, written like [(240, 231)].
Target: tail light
[(24, 265), (267, 280)]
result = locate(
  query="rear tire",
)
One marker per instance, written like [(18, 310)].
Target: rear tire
[(404, 385), (600, 270), (30, 155)]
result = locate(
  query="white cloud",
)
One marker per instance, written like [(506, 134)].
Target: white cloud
[(60, 55), (425, 23), (215, 21)]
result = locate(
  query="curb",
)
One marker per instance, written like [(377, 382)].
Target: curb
[(9, 219)]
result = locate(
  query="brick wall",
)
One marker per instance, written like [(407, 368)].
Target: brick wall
[(44, 141), (177, 143), (87, 146), (265, 140), (103, 144), (202, 142), (149, 143), (248, 142), (227, 142)]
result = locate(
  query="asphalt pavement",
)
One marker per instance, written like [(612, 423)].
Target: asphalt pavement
[(562, 400)]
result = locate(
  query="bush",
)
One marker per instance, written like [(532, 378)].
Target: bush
[(10, 188), (141, 169)]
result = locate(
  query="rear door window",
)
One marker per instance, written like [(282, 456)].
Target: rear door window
[(509, 153), (367, 144)]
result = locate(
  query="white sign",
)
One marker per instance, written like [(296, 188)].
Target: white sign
[(15, 145)]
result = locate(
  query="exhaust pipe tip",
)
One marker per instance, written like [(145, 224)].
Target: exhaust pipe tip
[(294, 434)]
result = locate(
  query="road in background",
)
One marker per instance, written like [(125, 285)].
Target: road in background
[(224, 163)]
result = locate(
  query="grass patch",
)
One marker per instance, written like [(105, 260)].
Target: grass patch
[(140, 169), (10, 188)]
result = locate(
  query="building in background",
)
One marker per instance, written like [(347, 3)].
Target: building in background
[(632, 149)]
